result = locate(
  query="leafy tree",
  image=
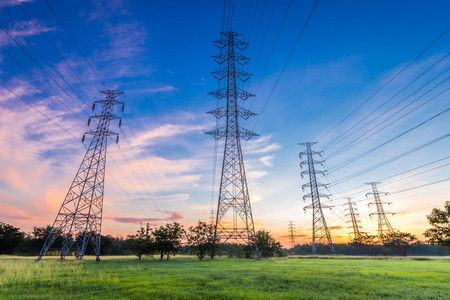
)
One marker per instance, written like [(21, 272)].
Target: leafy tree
[(440, 233), (200, 239), (367, 242), (168, 239), (267, 246), (399, 242), (143, 242), (10, 238)]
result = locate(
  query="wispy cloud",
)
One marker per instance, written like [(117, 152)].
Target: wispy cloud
[(26, 28), (4, 3), (174, 216), (167, 88), (105, 9)]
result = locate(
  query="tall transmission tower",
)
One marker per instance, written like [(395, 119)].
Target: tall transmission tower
[(234, 219), (383, 223), (352, 213), (291, 227), (320, 232), (80, 216)]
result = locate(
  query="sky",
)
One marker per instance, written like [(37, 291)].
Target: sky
[(367, 80)]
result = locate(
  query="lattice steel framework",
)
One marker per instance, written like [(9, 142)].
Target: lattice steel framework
[(352, 213), (320, 232), (80, 216), (234, 219), (291, 227), (384, 226)]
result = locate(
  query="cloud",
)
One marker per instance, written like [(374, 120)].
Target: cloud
[(26, 28), (261, 145), (105, 9), (335, 227), (15, 217), (5, 3), (167, 88), (165, 131), (126, 53), (174, 216), (267, 160)]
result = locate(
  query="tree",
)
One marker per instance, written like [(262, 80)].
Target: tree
[(142, 242), (399, 242), (200, 239), (10, 238), (440, 233), (367, 242), (267, 246), (168, 239)]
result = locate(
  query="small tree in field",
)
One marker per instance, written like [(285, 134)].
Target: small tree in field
[(367, 242), (200, 239), (168, 239), (399, 242), (142, 242), (440, 233), (267, 245)]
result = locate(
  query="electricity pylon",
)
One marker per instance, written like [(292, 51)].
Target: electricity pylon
[(80, 216), (234, 219), (320, 232), (291, 227), (383, 223), (352, 213)]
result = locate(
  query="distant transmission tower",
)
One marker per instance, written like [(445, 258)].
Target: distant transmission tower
[(80, 216), (234, 201), (291, 227), (320, 233), (383, 223), (352, 213)]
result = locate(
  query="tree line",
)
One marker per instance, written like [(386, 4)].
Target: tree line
[(165, 241), (169, 239)]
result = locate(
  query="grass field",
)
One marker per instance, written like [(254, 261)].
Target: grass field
[(223, 278)]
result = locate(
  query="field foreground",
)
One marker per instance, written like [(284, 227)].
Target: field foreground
[(223, 278)]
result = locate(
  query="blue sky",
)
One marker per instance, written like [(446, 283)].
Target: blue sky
[(159, 54)]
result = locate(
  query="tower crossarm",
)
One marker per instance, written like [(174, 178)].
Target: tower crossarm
[(306, 172), (224, 92), (310, 195), (221, 132), (221, 58), (240, 74), (222, 112), (316, 162), (319, 184)]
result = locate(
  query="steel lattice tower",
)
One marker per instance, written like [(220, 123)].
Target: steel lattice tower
[(80, 216), (291, 227), (352, 213), (320, 232), (383, 223), (234, 201)]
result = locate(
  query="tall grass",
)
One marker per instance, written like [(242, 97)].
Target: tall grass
[(222, 278)]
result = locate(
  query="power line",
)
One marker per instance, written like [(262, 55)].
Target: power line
[(387, 82), (390, 140), (337, 139), (393, 158), (38, 81), (41, 56), (57, 51), (43, 70), (359, 140), (287, 61), (71, 38)]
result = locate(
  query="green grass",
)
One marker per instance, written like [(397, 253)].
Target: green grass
[(188, 278)]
